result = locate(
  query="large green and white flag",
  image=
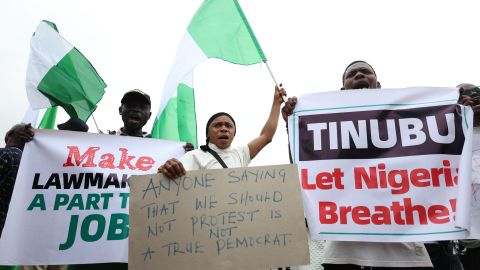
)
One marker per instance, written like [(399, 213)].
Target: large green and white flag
[(59, 75), (219, 29)]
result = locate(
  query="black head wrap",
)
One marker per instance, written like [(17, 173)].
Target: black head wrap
[(213, 117)]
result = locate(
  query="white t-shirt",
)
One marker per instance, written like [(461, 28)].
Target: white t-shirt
[(200, 160), (377, 254)]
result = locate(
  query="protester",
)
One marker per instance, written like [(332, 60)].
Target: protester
[(72, 124), (220, 132), (135, 110), (445, 255), (10, 156), (470, 96), (358, 255)]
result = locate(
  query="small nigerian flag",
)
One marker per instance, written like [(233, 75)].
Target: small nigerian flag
[(219, 29), (59, 75)]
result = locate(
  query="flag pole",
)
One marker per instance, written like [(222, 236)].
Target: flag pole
[(274, 80), (95, 121)]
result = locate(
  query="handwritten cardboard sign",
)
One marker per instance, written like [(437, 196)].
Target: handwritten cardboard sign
[(239, 218)]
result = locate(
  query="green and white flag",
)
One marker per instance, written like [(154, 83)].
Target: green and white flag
[(49, 118), (219, 29), (48, 121), (59, 75)]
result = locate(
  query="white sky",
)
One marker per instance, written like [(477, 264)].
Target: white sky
[(308, 43)]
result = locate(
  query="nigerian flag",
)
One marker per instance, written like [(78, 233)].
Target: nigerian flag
[(59, 75), (219, 29), (49, 118)]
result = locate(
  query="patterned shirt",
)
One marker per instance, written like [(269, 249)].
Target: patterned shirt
[(9, 162)]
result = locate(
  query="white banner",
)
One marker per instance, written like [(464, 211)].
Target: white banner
[(70, 201), (384, 165)]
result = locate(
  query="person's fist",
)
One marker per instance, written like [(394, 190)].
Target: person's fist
[(289, 107), (172, 169), (18, 135)]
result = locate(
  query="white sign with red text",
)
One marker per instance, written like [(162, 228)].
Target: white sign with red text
[(70, 201), (384, 165)]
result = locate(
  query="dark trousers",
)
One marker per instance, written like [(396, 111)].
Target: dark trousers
[(99, 266), (442, 257), (358, 267), (471, 259)]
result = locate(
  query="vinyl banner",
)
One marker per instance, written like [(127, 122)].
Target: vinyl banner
[(70, 201), (384, 165)]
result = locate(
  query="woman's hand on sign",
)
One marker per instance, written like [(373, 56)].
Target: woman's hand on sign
[(172, 169)]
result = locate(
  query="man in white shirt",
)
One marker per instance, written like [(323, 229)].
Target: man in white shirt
[(367, 255)]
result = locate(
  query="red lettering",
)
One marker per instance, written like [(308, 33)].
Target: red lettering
[(436, 173), (453, 204), (327, 212), (397, 209), (438, 214), (324, 180), (402, 186), (361, 215), (382, 175), (305, 184), (418, 175), (338, 175), (409, 209), (145, 163), (400, 181), (381, 216), (344, 210), (125, 160), (447, 172), (74, 153), (107, 161), (402, 213), (361, 174), (455, 179)]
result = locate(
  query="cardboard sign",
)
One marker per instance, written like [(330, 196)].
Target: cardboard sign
[(238, 218)]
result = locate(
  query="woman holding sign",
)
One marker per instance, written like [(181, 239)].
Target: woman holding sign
[(218, 153)]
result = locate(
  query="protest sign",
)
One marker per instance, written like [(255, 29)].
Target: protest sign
[(384, 165), (236, 218), (70, 201)]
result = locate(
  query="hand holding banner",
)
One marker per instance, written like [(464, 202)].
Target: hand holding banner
[(70, 202), (384, 165)]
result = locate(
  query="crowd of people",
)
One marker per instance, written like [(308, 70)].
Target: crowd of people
[(218, 152)]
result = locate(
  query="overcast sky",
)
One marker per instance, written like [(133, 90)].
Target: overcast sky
[(308, 44)]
